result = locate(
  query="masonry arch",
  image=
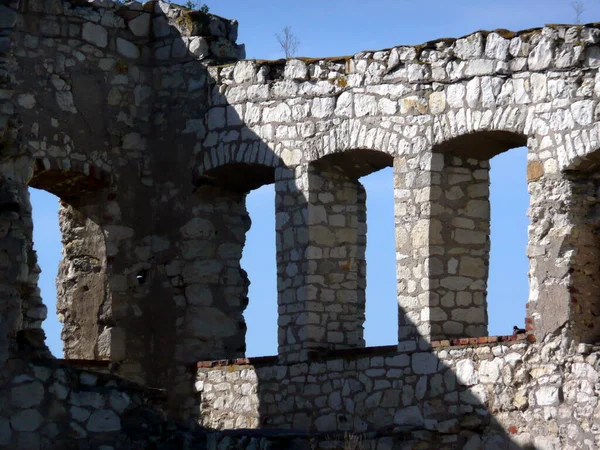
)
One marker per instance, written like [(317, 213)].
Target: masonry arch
[(323, 279), (352, 136), (215, 284), (83, 293), (453, 244)]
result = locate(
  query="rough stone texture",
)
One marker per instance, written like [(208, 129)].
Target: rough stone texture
[(321, 246), (54, 405), (88, 139), (543, 394), (439, 114), (143, 121)]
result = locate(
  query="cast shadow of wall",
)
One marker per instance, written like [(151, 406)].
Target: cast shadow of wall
[(403, 398), (326, 394)]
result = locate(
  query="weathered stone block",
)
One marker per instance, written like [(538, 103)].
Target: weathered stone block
[(26, 420), (466, 373), (27, 395), (104, 421), (95, 34)]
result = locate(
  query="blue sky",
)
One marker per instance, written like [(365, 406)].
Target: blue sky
[(333, 28)]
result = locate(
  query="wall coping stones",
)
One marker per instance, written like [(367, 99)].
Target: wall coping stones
[(436, 44), (368, 351)]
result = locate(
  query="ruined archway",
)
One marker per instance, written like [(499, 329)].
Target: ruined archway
[(325, 308), (456, 238), (83, 294), (128, 90), (216, 286)]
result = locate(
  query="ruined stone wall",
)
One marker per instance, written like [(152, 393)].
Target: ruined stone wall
[(544, 394), (53, 405), (16, 284), (498, 394), (439, 112), (105, 79), (140, 119), (83, 303)]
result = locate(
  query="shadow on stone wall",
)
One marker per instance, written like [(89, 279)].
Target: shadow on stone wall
[(182, 170), (376, 396)]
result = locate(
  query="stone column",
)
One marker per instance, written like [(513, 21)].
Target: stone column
[(21, 310), (564, 254), (442, 238), (585, 276), (321, 238), (213, 284), (83, 301), (460, 202), (415, 230)]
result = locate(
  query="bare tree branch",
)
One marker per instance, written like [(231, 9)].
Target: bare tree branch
[(578, 8), (288, 42)]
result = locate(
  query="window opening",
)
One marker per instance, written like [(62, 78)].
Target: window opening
[(508, 284), (381, 324), (48, 246), (259, 261)]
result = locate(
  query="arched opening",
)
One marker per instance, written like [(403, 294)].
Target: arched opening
[(508, 284), (328, 300), (259, 262), (381, 322), (244, 201), (458, 243), (74, 289)]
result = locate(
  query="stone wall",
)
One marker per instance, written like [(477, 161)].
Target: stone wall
[(83, 303), (90, 80), (143, 121), (545, 394), (509, 394), (437, 113), (55, 405), (440, 111)]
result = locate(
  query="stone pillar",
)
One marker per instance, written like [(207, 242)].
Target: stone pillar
[(564, 254), (414, 232), (459, 265), (83, 301), (321, 239), (213, 285), (442, 234), (585, 276), (21, 309)]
